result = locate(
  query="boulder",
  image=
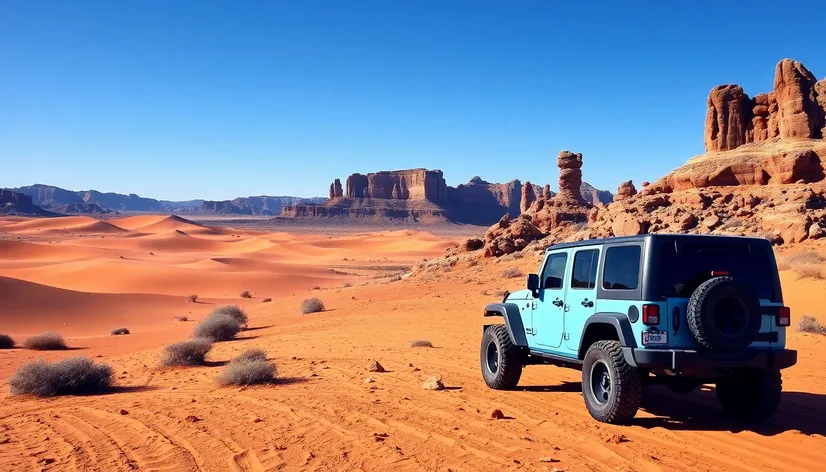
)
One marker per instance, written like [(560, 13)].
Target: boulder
[(628, 225), (433, 383), (625, 190)]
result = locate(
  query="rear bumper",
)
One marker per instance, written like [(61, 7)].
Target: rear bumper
[(696, 363)]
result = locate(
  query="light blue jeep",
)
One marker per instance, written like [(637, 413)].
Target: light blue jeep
[(681, 310)]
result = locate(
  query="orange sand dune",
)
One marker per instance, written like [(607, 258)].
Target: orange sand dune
[(21, 250), (164, 224), (30, 308), (63, 224)]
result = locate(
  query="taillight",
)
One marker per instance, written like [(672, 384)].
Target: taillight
[(651, 314), (784, 316), (719, 273)]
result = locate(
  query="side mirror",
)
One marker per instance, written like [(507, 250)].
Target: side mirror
[(533, 284)]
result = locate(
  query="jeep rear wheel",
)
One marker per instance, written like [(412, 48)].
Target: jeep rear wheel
[(611, 387), (501, 360), (750, 395)]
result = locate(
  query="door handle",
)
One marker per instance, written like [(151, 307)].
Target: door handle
[(558, 302), (587, 304)]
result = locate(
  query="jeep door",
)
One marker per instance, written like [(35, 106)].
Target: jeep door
[(580, 293), (547, 316)]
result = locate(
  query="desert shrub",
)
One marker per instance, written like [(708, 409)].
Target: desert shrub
[(189, 352), (192, 298), (499, 293), (253, 354), (810, 272), (234, 311), (45, 342), (346, 284), (809, 324), (6, 342), (182, 318), (421, 343), (312, 305), (395, 278), (246, 294), (799, 259), (512, 272), (247, 372), (266, 300), (119, 331), (72, 376), (472, 263), (217, 327)]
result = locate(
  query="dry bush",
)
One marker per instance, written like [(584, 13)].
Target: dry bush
[(809, 324), (247, 372), (189, 352), (810, 272), (266, 300), (119, 331), (312, 305), (512, 272), (421, 343), (499, 293), (245, 294), (72, 376), (6, 342), (234, 311), (799, 259), (217, 327), (346, 284), (317, 287), (45, 342), (472, 263), (182, 318), (253, 354), (192, 298), (395, 278)]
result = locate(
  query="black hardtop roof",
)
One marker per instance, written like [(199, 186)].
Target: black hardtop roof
[(631, 239)]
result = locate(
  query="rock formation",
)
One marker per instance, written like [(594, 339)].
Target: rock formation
[(19, 204), (528, 197), (335, 189), (570, 178), (595, 196), (796, 108), (546, 191), (357, 186), (625, 190)]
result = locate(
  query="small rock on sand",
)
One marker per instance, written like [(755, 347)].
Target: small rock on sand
[(374, 366), (434, 383), (497, 414)]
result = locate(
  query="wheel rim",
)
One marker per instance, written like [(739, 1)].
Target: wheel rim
[(730, 317), (600, 382), (492, 357)]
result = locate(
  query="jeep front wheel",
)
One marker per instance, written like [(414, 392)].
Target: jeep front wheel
[(501, 360), (750, 395), (611, 387)]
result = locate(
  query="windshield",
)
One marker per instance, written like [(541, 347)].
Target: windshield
[(682, 272)]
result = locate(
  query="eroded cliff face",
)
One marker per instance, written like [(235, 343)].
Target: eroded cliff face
[(796, 108)]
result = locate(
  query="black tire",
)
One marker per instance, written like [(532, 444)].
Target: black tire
[(750, 395), (723, 316), (611, 387), (501, 361)]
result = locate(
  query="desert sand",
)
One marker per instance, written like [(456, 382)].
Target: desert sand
[(83, 277)]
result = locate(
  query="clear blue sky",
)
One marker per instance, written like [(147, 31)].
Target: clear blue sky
[(218, 99)]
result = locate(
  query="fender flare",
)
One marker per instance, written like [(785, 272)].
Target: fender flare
[(618, 321), (513, 321)]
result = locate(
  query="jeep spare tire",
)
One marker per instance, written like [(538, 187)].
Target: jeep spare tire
[(723, 316)]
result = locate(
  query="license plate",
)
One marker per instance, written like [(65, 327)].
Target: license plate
[(654, 337)]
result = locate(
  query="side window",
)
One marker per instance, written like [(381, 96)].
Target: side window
[(554, 272), (585, 269), (622, 268)]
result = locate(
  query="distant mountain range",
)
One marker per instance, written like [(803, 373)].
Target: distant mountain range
[(61, 200)]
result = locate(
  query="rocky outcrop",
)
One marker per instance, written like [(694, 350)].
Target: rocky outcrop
[(335, 189), (19, 204), (625, 190), (80, 209), (546, 191), (570, 178), (356, 185), (795, 108), (411, 184), (370, 209), (728, 112), (260, 205), (595, 196), (528, 197)]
